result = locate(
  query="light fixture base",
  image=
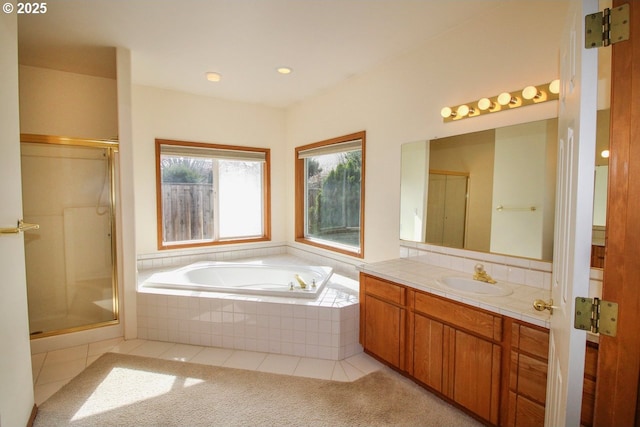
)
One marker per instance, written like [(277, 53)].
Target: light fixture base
[(543, 93)]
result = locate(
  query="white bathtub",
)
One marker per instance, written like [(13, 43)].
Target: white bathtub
[(244, 278)]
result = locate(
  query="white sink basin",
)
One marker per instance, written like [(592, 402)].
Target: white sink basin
[(474, 287)]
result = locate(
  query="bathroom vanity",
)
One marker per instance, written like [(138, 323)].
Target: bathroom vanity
[(485, 354)]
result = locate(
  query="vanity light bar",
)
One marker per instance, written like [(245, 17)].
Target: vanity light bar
[(505, 101)]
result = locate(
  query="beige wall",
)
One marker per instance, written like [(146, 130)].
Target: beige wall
[(66, 104), (160, 113), (400, 101)]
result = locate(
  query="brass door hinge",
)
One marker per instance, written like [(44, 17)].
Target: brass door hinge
[(606, 27), (596, 316)]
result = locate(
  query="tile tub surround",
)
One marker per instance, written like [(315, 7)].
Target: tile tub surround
[(343, 265), (325, 328), (423, 276)]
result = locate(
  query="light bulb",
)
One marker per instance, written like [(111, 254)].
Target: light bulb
[(554, 86), (604, 154), (530, 92), (505, 98), (213, 77), (446, 112), (462, 110), (284, 70), (485, 104)]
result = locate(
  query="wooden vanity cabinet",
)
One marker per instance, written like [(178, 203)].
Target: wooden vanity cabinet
[(383, 319), (450, 348), (597, 256), (589, 385), (456, 350), (493, 366), (528, 375)]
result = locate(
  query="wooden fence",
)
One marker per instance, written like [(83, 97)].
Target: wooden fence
[(187, 211)]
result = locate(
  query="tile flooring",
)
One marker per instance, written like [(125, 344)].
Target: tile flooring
[(54, 369)]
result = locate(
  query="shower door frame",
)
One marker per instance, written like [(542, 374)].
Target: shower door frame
[(112, 147)]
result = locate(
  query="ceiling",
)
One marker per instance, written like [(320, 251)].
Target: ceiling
[(174, 42)]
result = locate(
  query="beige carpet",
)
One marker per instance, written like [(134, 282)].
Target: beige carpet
[(124, 390)]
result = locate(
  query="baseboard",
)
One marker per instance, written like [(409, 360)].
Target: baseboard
[(32, 418)]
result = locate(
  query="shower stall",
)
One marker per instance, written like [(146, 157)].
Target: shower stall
[(68, 188)]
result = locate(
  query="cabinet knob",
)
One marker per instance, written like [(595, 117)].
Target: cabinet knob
[(541, 305)]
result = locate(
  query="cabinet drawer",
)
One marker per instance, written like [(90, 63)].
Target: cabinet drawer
[(385, 290), (526, 413), (461, 316), (531, 378), (531, 340), (591, 361)]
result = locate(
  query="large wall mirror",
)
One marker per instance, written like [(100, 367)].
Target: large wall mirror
[(492, 191)]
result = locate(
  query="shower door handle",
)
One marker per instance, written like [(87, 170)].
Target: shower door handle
[(22, 226)]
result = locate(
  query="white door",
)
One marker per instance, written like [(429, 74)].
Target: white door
[(16, 386), (574, 206)]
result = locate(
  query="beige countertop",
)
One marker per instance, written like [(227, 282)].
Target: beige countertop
[(424, 277)]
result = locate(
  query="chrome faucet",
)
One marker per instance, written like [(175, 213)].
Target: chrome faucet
[(481, 275)]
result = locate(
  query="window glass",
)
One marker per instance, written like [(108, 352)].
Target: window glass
[(332, 210), (241, 203), (210, 194)]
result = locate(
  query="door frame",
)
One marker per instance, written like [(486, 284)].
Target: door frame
[(619, 357)]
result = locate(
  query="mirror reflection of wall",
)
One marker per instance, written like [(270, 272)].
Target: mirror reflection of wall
[(524, 181), (510, 188), (473, 155), (512, 167)]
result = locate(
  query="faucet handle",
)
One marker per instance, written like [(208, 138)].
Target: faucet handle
[(479, 268)]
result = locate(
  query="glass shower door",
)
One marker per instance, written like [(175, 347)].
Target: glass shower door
[(70, 259)]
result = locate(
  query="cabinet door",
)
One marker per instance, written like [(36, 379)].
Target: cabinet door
[(428, 351), (527, 413), (384, 329), (476, 374)]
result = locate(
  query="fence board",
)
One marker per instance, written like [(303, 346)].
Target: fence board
[(187, 211)]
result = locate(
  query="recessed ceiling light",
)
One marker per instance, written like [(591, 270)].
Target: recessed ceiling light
[(284, 70), (213, 77)]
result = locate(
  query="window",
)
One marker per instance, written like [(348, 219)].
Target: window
[(211, 194), (330, 194)]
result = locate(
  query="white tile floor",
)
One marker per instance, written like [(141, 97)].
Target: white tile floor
[(54, 369)]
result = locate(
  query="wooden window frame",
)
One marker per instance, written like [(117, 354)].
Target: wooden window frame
[(300, 185), (266, 195)]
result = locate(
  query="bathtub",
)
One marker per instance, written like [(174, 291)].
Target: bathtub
[(244, 278)]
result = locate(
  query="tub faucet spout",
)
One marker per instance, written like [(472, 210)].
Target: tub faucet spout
[(303, 284)]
